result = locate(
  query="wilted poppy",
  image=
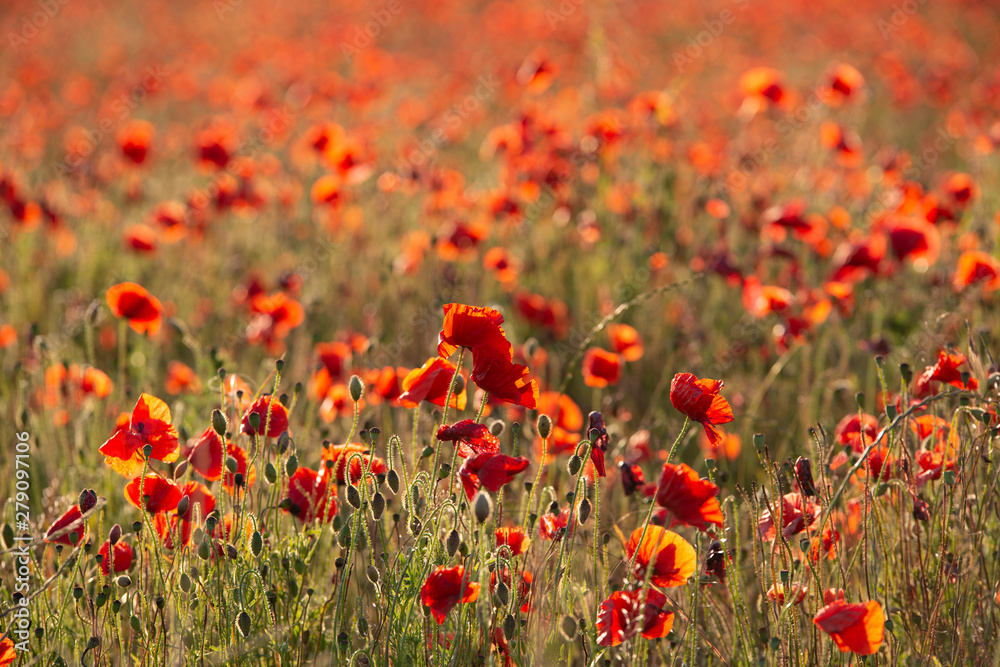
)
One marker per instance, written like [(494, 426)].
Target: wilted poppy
[(599, 432), (70, 528), (699, 400), (514, 538), (472, 437), (600, 367), (689, 499), (148, 425), (310, 496), (858, 627), (671, 557), (503, 379), (444, 588), (134, 303), (491, 471), (273, 417), (430, 383), (163, 493), (120, 557), (472, 326)]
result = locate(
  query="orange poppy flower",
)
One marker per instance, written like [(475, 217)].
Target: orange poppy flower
[(274, 425), (842, 84), (601, 368), (514, 538), (699, 400), (134, 303), (310, 496), (180, 377), (445, 588), (626, 341), (762, 300), (206, 455), (242, 461), (7, 653), (472, 438), (495, 373), (690, 500), (471, 327), (492, 471), (977, 267), (554, 526), (728, 448), (149, 424), (163, 493), (430, 383), (670, 556), (339, 455), (763, 85), (140, 238), (499, 261), (858, 627), (273, 318), (119, 557), (915, 240), (623, 615)]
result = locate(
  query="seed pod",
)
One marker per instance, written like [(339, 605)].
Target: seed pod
[(803, 474), (353, 497), (452, 543), (219, 423), (124, 581), (393, 479), (254, 420), (482, 507), (378, 505), (243, 623)]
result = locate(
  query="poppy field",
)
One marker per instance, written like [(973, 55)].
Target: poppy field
[(571, 332)]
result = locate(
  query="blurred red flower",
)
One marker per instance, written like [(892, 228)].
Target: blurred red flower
[(858, 627), (134, 303), (445, 588)]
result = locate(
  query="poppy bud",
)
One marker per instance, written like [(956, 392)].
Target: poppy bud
[(362, 542), (291, 465), (256, 543), (860, 398), (378, 505), (509, 626), (183, 506), (353, 497), (452, 543), (243, 623), (502, 594), (124, 581), (393, 479), (115, 534), (231, 464), (544, 426), (803, 474), (584, 512), (630, 482), (574, 464), (219, 423), (238, 480), (758, 441), (357, 388), (497, 427), (254, 420), (568, 628), (344, 536), (921, 509), (185, 582), (372, 573), (270, 473), (482, 507)]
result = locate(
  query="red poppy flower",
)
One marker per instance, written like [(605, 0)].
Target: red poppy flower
[(669, 554), (841, 84), (796, 513), (445, 588), (856, 431), (133, 302), (7, 653), (502, 379), (341, 454), (122, 558), (514, 538), (180, 377), (134, 139), (207, 455), (163, 493), (275, 425), (600, 445), (470, 327), (824, 544), (623, 615), (762, 85), (273, 318), (67, 527), (945, 370), (699, 400), (915, 240), (430, 383), (776, 593), (148, 425), (691, 501), (976, 266), (858, 627), (310, 496), (242, 460), (472, 438), (625, 340), (632, 477), (490, 470), (600, 367), (554, 526)]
